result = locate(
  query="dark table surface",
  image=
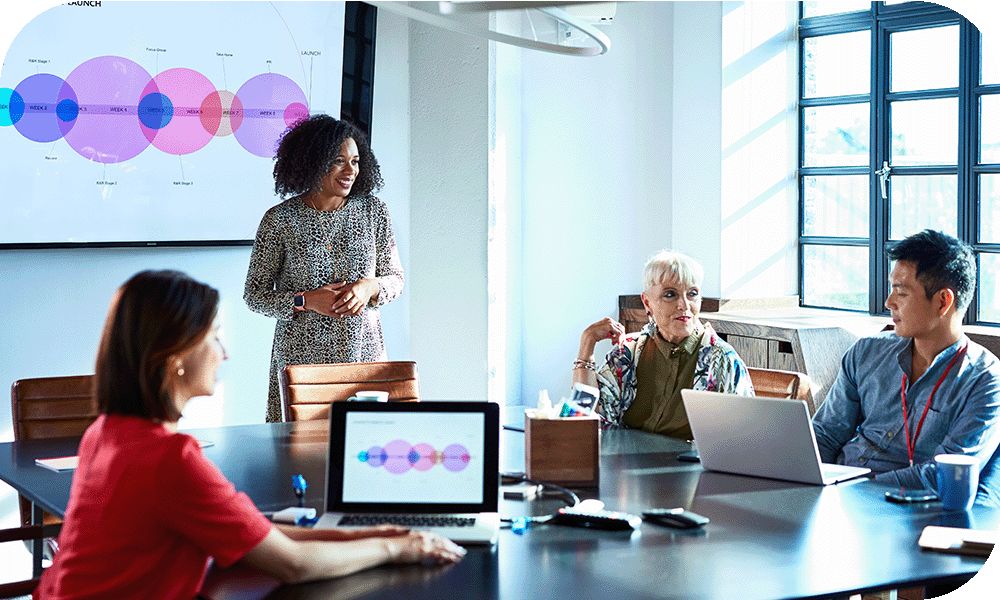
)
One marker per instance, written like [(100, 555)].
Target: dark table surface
[(766, 539)]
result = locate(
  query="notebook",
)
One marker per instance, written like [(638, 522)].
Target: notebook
[(761, 437), (426, 465)]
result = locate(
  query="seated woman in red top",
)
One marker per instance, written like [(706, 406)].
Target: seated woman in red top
[(147, 510)]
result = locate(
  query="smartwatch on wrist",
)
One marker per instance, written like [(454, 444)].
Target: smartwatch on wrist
[(299, 301)]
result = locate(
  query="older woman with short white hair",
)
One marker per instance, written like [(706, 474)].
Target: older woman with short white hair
[(642, 377)]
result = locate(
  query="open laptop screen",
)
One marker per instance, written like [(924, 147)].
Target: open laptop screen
[(413, 457)]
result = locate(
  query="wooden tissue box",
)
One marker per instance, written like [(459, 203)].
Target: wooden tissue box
[(564, 451)]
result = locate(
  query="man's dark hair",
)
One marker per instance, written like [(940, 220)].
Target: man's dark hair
[(155, 316), (306, 153), (942, 262)]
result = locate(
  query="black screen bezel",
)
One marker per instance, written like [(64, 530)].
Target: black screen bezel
[(335, 454)]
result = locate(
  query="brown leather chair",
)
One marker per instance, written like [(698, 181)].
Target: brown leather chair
[(46, 407), (308, 390), (772, 383)]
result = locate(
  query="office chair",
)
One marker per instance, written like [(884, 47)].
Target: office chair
[(308, 390), (46, 407), (772, 383)]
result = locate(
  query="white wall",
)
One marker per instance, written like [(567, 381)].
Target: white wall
[(391, 145), (449, 157), (596, 184), (695, 136), (758, 240)]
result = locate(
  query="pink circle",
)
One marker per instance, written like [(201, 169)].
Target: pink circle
[(396, 460), (187, 91), (428, 457), (295, 112)]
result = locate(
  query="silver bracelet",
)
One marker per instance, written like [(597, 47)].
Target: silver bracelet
[(584, 364)]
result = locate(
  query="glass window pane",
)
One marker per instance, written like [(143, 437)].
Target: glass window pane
[(835, 276), (815, 8), (989, 129), (989, 287), (924, 59), (835, 205), (925, 132), (990, 63), (989, 209), (835, 135), (837, 65), (919, 202)]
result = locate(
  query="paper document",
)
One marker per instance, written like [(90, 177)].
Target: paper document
[(60, 463), (957, 540)]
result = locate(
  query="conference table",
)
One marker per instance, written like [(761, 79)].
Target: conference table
[(767, 539)]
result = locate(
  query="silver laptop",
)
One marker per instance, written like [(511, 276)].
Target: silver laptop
[(762, 437), (431, 466)]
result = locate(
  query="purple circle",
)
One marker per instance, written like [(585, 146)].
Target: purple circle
[(109, 89), (42, 94), (376, 456), (455, 457), (396, 461), (265, 99)]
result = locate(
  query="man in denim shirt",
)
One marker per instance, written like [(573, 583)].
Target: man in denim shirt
[(861, 422)]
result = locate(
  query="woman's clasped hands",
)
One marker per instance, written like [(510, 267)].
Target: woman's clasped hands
[(341, 299)]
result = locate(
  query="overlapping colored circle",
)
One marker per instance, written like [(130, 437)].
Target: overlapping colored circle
[(398, 457), (109, 109)]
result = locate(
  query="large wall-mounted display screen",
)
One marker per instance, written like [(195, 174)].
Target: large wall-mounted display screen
[(156, 122)]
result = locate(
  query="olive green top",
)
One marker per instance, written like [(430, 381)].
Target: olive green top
[(661, 376)]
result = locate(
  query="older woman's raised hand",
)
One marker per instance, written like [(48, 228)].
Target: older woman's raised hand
[(605, 329)]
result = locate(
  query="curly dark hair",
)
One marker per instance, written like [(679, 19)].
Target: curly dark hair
[(942, 261), (306, 153)]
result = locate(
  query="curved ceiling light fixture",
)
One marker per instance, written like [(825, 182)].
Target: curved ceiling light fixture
[(552, 28)]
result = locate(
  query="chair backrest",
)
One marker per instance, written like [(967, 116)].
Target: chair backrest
[(772, 383), (48, 407), (308, 390)]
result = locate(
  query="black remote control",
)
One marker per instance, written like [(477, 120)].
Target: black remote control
[(675, 517), (596, 519)]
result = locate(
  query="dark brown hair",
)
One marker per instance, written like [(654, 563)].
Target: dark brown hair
[(306, 153), (154, 316)]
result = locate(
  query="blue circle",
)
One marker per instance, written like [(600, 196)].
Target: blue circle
[(412, 457), (14, 109), (67, 110), (156, 110)]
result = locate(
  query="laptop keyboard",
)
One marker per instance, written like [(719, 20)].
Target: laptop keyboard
[(407, 520)]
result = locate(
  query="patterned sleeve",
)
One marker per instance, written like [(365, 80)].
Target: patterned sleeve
[(609, 381), (266, 261), (720, 369), (388, 267)]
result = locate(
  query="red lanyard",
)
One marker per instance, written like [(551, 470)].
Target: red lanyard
[(910, 445)]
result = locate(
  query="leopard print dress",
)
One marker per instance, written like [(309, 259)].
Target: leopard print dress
[(298, 248)]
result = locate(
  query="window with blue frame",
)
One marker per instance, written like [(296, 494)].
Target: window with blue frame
[(899, 131)]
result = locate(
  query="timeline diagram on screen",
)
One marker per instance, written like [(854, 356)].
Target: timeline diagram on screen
[(423, 457), (156, 123), (398, 457), (109, 109)]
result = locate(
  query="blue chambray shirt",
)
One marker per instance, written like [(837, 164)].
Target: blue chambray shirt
[(861, 421)]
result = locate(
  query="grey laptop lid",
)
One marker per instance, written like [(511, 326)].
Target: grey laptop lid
[(762, 437)]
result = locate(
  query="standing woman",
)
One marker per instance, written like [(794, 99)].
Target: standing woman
[(325, 259)]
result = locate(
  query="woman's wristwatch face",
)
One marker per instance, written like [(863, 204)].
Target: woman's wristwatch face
[(299, 302)]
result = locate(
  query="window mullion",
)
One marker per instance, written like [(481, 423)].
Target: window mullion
[(879, 215), (968, 151)]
